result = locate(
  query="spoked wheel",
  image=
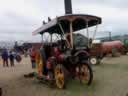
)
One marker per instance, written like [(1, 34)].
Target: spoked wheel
[(85, 74), (59, 76)]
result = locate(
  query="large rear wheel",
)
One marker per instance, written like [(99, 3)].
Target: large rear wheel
[(85, 74), (59, 76)]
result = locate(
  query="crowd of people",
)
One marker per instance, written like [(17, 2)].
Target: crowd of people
[(7, 57)]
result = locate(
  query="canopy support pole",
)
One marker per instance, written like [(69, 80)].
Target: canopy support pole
[(51, 38), (68, 44), (42, 38), (87, 32), (71, 35), (61, 28), (94, 34)]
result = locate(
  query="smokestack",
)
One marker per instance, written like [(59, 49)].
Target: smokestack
[(68, 6)]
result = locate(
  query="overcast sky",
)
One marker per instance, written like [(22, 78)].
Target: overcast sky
[(19, 18)]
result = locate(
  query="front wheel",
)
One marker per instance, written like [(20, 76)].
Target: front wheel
[(59, 76), (85, 74)]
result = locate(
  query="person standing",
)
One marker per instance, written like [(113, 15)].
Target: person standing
[(11, 58), (5, 57), (33, 57), (33, 63)]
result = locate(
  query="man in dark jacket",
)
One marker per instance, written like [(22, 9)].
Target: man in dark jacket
[(5, 57), (11, 58)]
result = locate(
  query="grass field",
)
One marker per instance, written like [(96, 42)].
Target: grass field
[(110, 79)]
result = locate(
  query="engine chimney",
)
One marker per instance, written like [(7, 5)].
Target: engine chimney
[(68, 6)]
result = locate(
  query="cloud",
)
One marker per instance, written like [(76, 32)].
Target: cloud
[(109, 3), (19, 18)]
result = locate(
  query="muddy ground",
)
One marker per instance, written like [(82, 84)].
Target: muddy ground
[(110, 79)]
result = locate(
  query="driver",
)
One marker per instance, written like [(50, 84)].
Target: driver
[(62, 45)]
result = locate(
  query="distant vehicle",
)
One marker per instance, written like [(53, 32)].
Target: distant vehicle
[(96, 54), (29, 45), (110, 45), (100, 49), (125, 46)]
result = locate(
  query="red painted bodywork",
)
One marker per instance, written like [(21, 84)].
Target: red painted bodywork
[(55, 52), (108, 46)]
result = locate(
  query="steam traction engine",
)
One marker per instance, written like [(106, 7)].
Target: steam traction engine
[(67, 56)]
